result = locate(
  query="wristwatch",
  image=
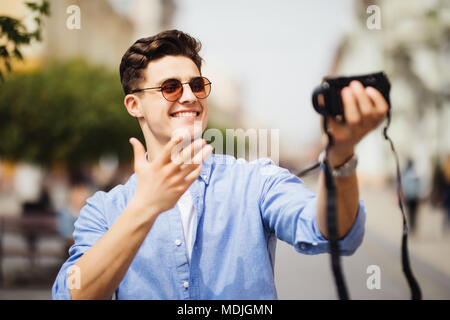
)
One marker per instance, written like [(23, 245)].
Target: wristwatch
[(344, 170)]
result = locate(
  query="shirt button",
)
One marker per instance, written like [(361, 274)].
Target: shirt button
[(186, 284), (178, 242)]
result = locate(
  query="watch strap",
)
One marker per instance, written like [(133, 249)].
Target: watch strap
[(342, 171)]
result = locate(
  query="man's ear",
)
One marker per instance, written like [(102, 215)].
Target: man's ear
[(133, 105)]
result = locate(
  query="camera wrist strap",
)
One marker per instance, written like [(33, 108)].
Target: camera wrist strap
[(331, 217), (333, 240)]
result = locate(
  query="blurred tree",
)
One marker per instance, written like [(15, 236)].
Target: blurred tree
[(69, 113), (14, 34)]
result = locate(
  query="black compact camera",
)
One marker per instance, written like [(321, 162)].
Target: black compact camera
[(326, 97)]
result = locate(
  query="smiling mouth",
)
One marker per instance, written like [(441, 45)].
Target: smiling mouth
[(185, 114)]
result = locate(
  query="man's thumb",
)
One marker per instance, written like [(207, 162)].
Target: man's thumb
[(138, 151)]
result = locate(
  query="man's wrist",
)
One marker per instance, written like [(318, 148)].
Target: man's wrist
[(149, 212), (344, 169), (337, 159)]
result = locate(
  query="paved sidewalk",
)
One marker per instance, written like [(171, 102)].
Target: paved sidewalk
[(300, 276), (430, 244)]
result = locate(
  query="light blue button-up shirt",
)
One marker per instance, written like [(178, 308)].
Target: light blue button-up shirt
[(241, 209)]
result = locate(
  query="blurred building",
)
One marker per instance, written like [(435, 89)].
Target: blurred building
[(413, 47), (103, 37), (106, 29)]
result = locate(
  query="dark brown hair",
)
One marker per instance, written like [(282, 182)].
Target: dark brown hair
[(138, 56)]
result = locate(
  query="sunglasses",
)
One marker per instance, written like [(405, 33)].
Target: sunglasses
[(172, 89)]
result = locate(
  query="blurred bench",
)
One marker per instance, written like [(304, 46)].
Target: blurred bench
[(32, 228)]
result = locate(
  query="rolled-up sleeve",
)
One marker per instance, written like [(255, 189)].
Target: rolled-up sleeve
[(90, 226), (289, 210)]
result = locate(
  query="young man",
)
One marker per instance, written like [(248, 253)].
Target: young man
[(180, 230)]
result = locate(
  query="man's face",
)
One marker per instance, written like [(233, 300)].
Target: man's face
[(164, 118)]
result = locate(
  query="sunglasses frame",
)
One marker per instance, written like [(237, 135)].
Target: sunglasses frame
[(181, 92)]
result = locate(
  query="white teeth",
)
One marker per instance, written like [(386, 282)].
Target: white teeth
[(185, 114)]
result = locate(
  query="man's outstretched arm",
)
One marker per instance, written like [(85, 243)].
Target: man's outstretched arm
[(347, 204), (364, 110)]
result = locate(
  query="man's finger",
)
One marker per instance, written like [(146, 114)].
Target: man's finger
[(351, 111), (138, 152), (169, 149), (203, 153), (193, 175), (200, 155), (187, 155), (380, 103), (364, 102)]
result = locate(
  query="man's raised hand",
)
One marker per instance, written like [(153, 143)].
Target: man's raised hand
[(161, 183)]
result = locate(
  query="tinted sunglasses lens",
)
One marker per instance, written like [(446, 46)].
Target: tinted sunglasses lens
[(171, 89), (201, 87)]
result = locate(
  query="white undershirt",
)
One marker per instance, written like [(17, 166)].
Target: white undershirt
[(187, 218)]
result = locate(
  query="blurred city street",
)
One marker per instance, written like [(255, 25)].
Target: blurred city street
[(309, 277)]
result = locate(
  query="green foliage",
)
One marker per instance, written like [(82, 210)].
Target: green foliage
[(14, 34), (69, 112)]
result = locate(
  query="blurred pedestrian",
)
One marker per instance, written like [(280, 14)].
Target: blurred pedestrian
[(446, 188), (411, 191), (41, 207)]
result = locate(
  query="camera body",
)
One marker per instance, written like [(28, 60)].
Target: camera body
[(326, 97)]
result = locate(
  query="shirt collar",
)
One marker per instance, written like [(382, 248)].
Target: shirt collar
[(205, 174)]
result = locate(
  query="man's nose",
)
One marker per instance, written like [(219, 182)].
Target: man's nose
[(187, 96)]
